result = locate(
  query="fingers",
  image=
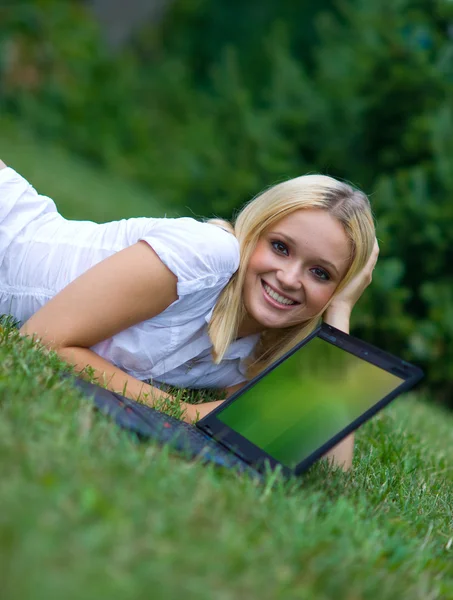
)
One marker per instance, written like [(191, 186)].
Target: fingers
[(371, 264), (373, 258), (375, 252), (354, 289)]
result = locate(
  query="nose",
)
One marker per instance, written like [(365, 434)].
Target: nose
[(290, 278)]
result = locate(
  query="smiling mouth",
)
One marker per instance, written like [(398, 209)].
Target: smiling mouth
[(277, 298)]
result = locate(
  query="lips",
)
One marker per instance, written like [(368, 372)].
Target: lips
[(277, 299)]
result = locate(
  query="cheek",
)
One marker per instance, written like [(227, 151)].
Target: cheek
[(250, 282), (321, 294), (259, 259), (258, 266)]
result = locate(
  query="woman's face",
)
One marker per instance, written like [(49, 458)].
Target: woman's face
[(294, 270)]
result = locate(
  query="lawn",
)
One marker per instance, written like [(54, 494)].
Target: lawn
[(87, 511)]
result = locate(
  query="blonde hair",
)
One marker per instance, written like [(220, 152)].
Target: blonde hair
[(352, 209)]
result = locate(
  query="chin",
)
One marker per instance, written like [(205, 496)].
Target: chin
[(275, 324)]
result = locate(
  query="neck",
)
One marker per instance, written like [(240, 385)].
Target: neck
[(247, 327)]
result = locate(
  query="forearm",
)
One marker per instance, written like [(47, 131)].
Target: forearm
[(338, 316), (117, 380), (341, 455), (114, 378)]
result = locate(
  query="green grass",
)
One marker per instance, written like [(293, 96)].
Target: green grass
[(86, 511)]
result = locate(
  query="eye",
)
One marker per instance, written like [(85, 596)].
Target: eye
[(320, 273), (280, 247)]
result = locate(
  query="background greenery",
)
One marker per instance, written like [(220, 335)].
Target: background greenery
[(221, 99)]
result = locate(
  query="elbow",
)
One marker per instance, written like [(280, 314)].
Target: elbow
[(28, 331), (43, 338)]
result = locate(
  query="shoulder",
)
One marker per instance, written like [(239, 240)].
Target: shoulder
[(200, 242), (7, 174), (12, 184), (197, 229), (198, 253), (213, 240)]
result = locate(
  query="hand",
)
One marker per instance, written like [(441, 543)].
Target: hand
[(195, 412), (339, 310), (347, 298)]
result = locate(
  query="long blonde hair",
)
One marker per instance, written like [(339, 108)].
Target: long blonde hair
[(352, 209)]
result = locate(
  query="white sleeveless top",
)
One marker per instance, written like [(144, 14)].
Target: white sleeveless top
[(41, 252)]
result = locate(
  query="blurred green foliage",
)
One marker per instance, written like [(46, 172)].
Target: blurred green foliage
[(222, 99)]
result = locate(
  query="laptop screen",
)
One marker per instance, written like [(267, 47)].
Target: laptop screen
[(306, 400)]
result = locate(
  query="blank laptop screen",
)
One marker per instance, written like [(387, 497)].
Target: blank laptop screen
[(306, 400)]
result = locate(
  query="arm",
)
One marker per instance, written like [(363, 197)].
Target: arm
[(338, 315), (129, 287), (340, 455)]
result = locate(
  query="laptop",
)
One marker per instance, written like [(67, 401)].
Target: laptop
[(288, 416)]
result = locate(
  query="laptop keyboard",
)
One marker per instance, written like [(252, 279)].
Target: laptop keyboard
[(186, 435), (156, 417), (149, 423)]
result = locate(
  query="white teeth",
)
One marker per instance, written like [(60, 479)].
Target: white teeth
[(276, 296)]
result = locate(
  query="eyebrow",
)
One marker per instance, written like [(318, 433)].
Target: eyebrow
[(293, 243)]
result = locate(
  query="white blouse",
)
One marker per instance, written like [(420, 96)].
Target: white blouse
[(41, 252)]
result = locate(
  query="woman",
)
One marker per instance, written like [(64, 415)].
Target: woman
[(181, 302)]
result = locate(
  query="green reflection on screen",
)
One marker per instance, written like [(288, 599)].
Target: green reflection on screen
[(306, 400)]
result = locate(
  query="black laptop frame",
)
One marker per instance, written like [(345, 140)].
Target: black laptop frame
[(257, 457)]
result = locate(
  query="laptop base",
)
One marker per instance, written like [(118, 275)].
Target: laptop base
[(148, 423)]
